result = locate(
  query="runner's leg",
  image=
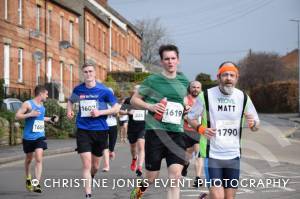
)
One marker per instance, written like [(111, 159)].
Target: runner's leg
[(38, 155), (141, 152), (174, 172), (86, 159), (27, 162)]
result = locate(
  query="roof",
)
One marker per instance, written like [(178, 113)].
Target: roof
[(129, 24)]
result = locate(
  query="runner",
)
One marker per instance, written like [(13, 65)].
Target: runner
[(136, 135), (123, 119), (112, 139), (92, 129), (162, 95), (223, 109), (192, 137), (34, 144)]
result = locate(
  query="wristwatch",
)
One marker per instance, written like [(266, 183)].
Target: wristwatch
[(254, 128)]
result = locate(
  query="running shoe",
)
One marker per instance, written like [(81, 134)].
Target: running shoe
[(139, 171), (184, 170), (136, 193), (112, 155), (37, 189), (133, 165), (198, 182), (28, 184), (203, 196)]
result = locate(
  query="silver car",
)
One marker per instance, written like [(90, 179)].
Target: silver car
[(11, 104)]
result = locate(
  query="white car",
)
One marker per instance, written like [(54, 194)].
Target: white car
[(11, 104)]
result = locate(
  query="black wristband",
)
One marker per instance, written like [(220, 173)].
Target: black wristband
[(198, 126)]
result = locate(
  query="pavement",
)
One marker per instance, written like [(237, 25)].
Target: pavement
[(295, 118), (55, 146)]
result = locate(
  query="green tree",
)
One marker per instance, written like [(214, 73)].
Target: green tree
[(206, 81)]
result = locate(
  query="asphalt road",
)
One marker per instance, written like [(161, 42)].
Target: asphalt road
[(269, 160)]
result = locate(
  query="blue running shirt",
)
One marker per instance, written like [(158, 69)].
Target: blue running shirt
[(89, 99), (35, 126)]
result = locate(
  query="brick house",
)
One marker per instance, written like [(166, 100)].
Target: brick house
[(290, 60), (46, 41)]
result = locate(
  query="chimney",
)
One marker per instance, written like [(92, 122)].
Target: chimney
[(102, 2)]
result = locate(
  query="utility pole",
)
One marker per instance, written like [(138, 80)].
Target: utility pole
[(298, 30)]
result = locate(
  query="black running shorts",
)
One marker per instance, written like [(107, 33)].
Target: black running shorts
[(91, 141), (163, 144), (29, 146)]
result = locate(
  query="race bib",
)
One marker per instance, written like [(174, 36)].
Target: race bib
[(86, 106), (123, 118), (138, 115), (173, 113), (111, 120), (38, 126), (227, 134)]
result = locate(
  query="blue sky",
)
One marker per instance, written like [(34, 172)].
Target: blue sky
[(209, 32)]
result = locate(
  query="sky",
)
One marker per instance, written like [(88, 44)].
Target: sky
[(209, 32)]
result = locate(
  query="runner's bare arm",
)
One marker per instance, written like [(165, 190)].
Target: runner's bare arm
[(24, 113), (70, 113), (47, 119), (138, 102), (123, 112), (252, 122), (114, 109)]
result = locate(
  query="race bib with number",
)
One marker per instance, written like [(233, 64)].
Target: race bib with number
[(138, 115), (227, 134), (86, 106), (173, 113), (38, 126)]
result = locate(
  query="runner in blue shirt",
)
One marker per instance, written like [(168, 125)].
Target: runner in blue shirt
[(92, 129), (33, 112)]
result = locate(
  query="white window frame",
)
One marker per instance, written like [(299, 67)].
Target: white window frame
[(20, 12), (38, 18), (61, 23), (71, 77), (87, 31), (61, 80), (20, 64), (38, 72), (49, 17), (71, 30), (49, 70), (5, 9), (6, 63), (103, 41)]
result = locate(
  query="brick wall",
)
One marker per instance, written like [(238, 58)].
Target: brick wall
[(95, 45), (20, 37)]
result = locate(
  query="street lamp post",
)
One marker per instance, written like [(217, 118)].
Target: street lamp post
[(298, 21)]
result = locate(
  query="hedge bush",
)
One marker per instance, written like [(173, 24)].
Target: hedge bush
[(64, 128), (129, 76), (276, 97)]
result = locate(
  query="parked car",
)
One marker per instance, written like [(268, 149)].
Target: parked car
[(11, 104)]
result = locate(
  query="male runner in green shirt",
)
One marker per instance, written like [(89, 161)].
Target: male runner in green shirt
[(164, 138)]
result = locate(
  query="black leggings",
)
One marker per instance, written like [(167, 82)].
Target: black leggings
[(112, 139)]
